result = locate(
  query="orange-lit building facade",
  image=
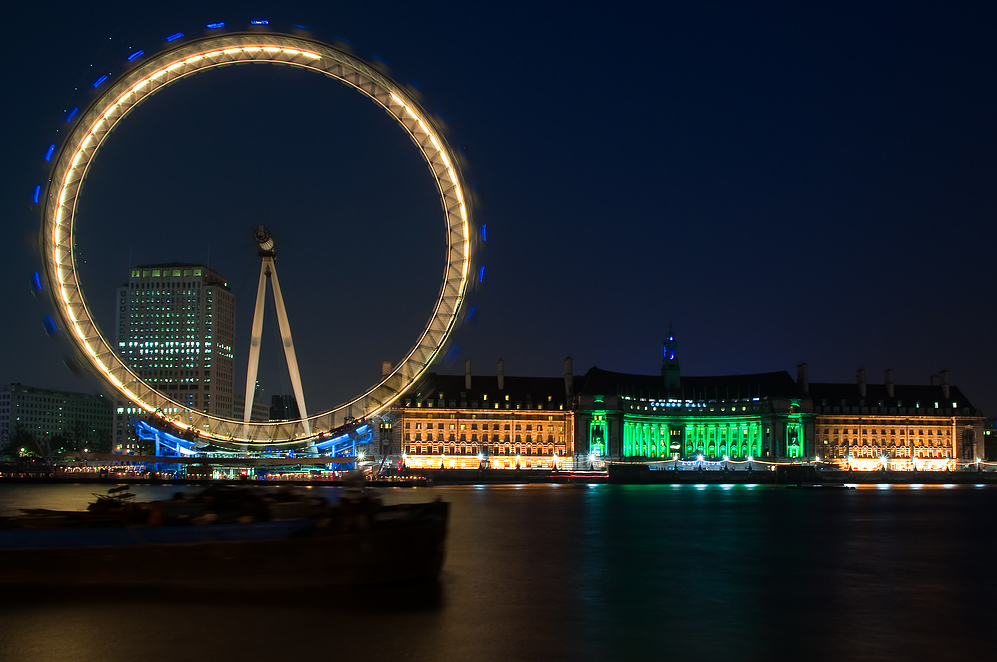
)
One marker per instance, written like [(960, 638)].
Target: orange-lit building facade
[(902, 427), (497, 422)]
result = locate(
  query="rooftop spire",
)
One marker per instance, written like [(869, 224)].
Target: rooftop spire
[(670, 362)]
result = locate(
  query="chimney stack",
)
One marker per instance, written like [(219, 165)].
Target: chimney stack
[(935, 380), (945, 384), (386, 368), (803, 378), (889, 382), (467, 374), (569, 379), (501, 374), (860, 377)]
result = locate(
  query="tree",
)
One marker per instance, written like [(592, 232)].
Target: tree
[(61, 444), (23, 444), (79, 435), (101, 441)]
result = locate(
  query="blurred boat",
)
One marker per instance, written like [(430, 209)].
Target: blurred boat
[(225, 537)]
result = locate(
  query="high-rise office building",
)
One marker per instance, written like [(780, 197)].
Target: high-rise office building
[(176, 330)]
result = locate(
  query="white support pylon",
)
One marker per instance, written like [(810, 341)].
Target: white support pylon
[(268, 270)]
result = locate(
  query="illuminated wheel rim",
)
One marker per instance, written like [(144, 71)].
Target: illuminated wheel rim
[(80, 147)]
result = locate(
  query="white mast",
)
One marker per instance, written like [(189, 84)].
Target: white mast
[(268, 270)]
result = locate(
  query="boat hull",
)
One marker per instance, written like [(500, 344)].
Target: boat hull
[(401, 543)]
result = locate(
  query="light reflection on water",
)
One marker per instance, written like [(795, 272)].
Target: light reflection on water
[(585, 573)]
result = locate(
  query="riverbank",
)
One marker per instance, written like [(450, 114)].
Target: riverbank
[(617, 474), (825, 477)]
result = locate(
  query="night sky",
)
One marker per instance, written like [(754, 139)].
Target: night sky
[(787, 184)]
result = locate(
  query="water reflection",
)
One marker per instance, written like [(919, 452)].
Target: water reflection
[(586, 573)]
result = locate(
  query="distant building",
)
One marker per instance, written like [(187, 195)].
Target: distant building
[(259, 414), (904, 426), (283, 408), (80, 419), (990, 441), (175, 328), (471, 421)]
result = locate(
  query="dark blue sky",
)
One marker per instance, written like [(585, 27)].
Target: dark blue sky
[(784, 184)]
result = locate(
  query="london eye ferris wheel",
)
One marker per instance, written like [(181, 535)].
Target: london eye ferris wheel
[(59, 200)]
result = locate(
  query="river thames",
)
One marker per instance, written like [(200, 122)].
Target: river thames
[(590, 572)]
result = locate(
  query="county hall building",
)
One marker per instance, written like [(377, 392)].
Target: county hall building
[(500, 422)]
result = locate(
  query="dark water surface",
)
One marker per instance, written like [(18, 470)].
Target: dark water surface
[(598, 572)]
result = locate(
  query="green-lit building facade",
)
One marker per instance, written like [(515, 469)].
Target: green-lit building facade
[(621, 415), (626, 416)]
